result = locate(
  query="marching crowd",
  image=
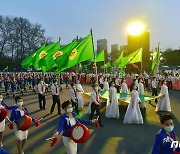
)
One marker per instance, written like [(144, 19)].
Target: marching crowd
[(37, 82)]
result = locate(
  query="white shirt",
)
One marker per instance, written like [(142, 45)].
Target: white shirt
[(40, 89), (73, 96), (55, 90), (154, 84), (93, 97)]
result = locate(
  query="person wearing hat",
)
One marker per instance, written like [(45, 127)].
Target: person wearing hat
[(165, 136), (95, 103), (66, 122)]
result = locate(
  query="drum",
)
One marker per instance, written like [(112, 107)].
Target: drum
[(79, 133), (3, 114), (24, 123)]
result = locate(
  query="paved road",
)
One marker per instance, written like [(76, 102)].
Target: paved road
[(114, 138)]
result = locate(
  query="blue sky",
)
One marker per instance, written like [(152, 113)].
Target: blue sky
[(107, 18)]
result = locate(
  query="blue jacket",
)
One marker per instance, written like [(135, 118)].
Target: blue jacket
[(16, 114), (3, 103), (163, 142), (65, 126)]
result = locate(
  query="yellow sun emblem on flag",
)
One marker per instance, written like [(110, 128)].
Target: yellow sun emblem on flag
[(57, 54), (73, 54), (42, 54)]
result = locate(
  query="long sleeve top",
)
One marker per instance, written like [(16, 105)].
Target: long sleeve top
[(65, 125), (162, 144)]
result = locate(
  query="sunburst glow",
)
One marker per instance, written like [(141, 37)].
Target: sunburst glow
[(136, 28)]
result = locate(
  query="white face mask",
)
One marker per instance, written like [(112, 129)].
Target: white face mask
[(1, 100), (168, 128), (69, 110), (20, 104)]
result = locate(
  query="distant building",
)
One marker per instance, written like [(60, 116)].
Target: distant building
[(114, 47), (101, 45), (136, 42)]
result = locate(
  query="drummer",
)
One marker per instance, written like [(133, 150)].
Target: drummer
[(2, 124), (67, 120), (16, 114)]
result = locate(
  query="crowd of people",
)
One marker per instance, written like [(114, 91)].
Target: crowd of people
[(15, 84)]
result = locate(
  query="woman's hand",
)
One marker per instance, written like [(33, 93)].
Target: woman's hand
[(56, 135), (93, 121)]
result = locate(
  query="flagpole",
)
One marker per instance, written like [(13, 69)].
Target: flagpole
[(94, 56), (104, 67), (141, 63)]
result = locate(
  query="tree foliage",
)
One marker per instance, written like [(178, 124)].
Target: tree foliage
[(18, 39)]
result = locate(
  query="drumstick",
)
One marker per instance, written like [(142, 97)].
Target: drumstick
[(97, 118), (8, 119), (50, 138)]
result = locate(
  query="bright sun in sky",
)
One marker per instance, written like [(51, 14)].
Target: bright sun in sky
[(136, 28)]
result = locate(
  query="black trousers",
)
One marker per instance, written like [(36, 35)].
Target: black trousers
[(75, 106), (42, 99), (95, 107), (154, 93), (56, 99)]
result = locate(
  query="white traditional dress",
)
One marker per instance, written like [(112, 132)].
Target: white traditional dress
[(80, 90), (164, 102), (124, 88), (112, 107), (106, 85), (133, 114), (141, 92)]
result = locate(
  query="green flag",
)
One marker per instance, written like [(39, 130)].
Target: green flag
[(137, 58), (155, 60), (6, 68), (82, 52), (61, 57), (100, 56), (126, 60), (28, 61), (40, 54), (118, 61), (107, 65)]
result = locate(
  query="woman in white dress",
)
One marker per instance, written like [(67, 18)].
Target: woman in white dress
[(124, 87), (112, 107), (164, 102), (106, 84), (133, 114), (141, 92), (80, 90)]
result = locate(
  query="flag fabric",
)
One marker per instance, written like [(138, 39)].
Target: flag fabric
[(28, 61), (82, 52), (137, 58), (100, 56), (47, 62), (131, 57), (118, 61), (39, 55), (107, 65), (155, 60), (6, 68), (61, 57)]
